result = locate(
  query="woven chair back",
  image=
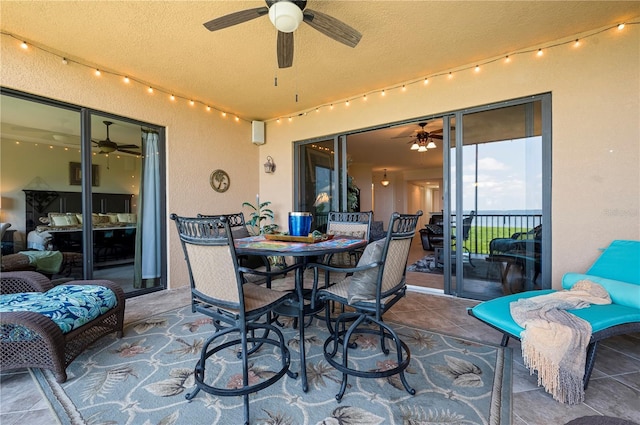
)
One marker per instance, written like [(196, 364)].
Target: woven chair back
[(402, 229), (211, 259), (357, 224)]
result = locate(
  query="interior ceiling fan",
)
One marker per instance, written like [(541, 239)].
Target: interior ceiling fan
[(423, 140), (286, 15), (107, 146)]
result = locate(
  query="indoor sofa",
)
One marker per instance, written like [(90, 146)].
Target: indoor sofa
[(47, 326), (617, 270)]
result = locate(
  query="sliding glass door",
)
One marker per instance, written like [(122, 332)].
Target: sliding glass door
[(499, 201), (83, 186)]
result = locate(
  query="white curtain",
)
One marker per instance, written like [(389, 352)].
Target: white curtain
[(148, 235)]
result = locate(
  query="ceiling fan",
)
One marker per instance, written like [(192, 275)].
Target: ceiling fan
[(286, 15), (107, 146), (424, 140)]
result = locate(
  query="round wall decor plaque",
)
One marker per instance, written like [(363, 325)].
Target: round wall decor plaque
[(219, 181)]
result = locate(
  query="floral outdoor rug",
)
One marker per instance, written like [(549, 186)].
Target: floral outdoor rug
[(142, 379)]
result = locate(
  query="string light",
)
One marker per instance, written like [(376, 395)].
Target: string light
[(507, 59), (404, 88), (347, 103), (172, 97), (125, 78), (363, 98), (191, 102)]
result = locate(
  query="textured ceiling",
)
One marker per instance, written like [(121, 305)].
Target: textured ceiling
[(164, 44)]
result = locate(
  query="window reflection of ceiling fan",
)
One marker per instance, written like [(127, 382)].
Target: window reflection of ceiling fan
[(286, 15), (107, 146)]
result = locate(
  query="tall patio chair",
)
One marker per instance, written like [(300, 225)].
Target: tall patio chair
[(377, 283), (353, 224), (218, 290)]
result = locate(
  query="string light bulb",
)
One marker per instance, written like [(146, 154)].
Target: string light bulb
[(237, 118), (621, 26), (540, 52), (383, 93), (450, 75), (477, 68), (24, 45), (404, 88), (98, 72), (191, 102), (426, 81), (224, 114), (208, 108), (126, 79), (577, 43), (347, 103), (64, 61), (364, 97), (507, 59), (150, 89)]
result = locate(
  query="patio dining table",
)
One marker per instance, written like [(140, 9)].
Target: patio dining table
[(302, 252)]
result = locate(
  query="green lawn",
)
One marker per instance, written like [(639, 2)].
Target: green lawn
[(483, 235)]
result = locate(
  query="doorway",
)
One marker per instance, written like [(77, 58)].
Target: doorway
[(500, 179)]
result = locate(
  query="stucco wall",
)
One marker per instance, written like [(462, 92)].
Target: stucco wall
[(198, 141), (596, 136)]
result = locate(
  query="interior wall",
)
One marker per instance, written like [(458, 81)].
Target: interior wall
[(198, 142), (41, 167), (595, 136)]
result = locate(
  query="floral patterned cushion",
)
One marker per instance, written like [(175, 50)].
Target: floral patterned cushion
[(69, 306)]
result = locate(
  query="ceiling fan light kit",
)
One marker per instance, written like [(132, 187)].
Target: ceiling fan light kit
[(423, 140), (285, 16)]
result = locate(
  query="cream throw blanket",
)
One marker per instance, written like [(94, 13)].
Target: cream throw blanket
[(554, 342)]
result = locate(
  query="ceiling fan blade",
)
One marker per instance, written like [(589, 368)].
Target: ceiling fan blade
[(235, 18), (332, 27), (129, 146), (435, 136), (128, 151), (285, 49)]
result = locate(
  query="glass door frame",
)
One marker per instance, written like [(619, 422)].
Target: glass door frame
[(458, 116), (86, 188)]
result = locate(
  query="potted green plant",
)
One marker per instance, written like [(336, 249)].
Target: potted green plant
[(260, 213)]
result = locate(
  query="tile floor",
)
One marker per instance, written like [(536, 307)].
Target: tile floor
[(614, 389)]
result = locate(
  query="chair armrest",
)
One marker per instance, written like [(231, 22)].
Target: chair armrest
[(24, 281)]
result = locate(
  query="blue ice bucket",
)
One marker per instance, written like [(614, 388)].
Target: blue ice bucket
[(300, 223)]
